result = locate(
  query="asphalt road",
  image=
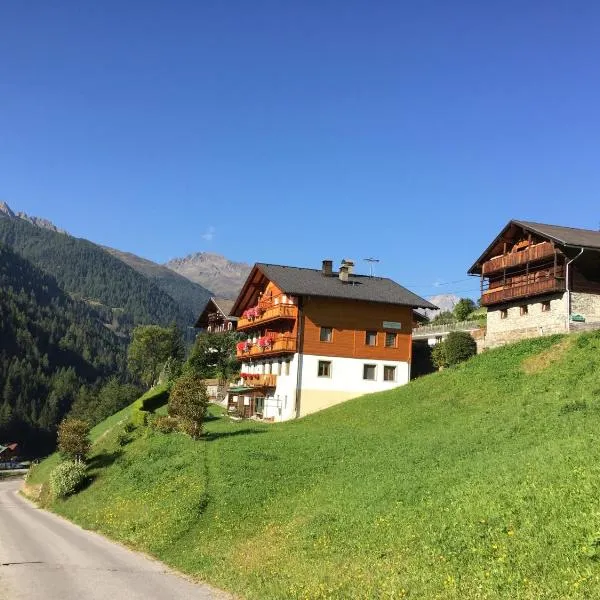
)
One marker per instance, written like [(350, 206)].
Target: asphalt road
[(44, 557)]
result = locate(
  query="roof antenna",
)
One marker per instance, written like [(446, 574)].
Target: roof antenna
[(371, 261)]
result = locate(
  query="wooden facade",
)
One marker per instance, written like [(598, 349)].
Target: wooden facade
[(215, 317), (312, 338), (525, 266), (523, 263), (350, 321)]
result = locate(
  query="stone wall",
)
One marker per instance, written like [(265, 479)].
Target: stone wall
[(535, 323), (586, 305)]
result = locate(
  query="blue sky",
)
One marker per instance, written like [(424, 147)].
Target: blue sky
[(289, 132)]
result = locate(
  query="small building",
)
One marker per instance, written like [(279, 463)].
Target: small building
[(312, 338), (216, 316), (539, 279), (9, 453)]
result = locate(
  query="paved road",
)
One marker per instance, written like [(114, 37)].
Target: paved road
[(43, 557)]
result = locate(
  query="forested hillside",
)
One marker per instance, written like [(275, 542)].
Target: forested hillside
[(50, 344), (92, 274), (191, 296)]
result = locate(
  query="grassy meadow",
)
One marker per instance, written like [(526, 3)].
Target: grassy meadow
[(482, 481)]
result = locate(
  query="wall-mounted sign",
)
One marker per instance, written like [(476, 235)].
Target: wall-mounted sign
[(578, 318), (392, 325)]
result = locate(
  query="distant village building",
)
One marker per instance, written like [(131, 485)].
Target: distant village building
[(216, 316), (312, 338), (538, 280)]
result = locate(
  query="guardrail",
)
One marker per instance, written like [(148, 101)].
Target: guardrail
[(437, 329)]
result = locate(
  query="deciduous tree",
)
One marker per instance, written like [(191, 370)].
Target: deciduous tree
[(188, 403), (73, 438)]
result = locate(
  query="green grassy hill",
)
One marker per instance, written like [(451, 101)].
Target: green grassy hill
[(482, 481)]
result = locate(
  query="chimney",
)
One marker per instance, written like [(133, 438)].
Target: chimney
[(327, 268), (346, 262), (344, 274)]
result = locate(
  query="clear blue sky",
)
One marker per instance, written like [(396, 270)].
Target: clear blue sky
[(291, 131)]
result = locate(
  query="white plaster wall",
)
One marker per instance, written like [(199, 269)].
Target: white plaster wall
[(347, 375)]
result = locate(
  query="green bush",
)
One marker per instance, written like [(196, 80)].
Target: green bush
[(438, 355), (67, 478), (188, 402), (165, 424), (458, 347), (74, 438), (139, 418)]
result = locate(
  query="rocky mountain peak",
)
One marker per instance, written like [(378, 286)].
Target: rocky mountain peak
[(5, 210), (213, 271)]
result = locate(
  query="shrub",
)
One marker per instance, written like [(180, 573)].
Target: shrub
[(129, 427), (438, 355), (139, 418), (73, 438), (188, 402), (458, 347), (67, 478), (165, 424)]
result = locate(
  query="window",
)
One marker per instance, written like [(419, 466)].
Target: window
[(371, 338), (324, 368), (504, 313), (326, 334), (390, 340), (389, 373), (524, 309), (369, 372), (546, 306)]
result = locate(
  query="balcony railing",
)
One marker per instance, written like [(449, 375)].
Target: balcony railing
[(255, 380), (510, 292), (267, 311), (280, 345), (516, 259)]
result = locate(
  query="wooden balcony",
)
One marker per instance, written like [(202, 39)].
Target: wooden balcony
[(269, 313), (258, 381), (534, 253), (281, 345), (506, 293)]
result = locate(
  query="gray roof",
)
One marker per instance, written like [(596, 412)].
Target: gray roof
[(311, 282), (568, 236), (224, 305)]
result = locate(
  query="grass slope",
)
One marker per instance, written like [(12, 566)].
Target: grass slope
[(482, 481)]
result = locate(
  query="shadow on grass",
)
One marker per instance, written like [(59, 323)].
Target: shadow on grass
[(215, 435), (104, 459)]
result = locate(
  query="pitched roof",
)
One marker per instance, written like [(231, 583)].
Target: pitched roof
[(224, 305), (299, 281), (563, 236), (568, 236)]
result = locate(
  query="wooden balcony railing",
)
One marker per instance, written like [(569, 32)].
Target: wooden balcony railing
[(279, 345), (510, 292), (269, 313), (516, 259), (268, 380)]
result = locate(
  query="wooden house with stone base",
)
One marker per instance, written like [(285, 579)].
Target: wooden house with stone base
[(312, 338), (538, 280)]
